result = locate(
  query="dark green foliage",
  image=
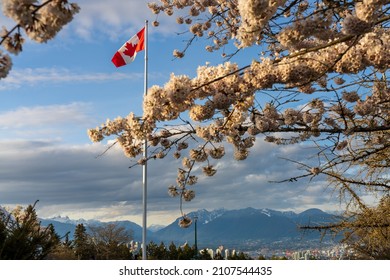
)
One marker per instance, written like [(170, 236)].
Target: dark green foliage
[(82, 244), (278, 258), (218, 256), (157, 252), (240, 256), (23, 238), (204, 255), (161, 252), (173, 254), (63, 251), (186, 252)]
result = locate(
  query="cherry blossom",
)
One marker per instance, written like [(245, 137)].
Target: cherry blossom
[(40, 20), (320, 77)]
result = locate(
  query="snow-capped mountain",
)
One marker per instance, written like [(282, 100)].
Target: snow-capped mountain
[(229, 227), (67, 220), (154, 228), (245, 225), (204, 216)]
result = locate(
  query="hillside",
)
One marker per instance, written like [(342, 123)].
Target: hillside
[(242, 228)]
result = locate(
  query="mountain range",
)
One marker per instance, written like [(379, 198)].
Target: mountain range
[(242, 229)]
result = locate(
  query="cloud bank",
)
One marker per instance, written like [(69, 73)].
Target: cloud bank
[(73, 181)]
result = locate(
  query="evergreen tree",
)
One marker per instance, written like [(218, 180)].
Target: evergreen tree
[(173, 253), (157, 252), (23, 238), (151, 250), (162, 252), (82, 246), (186, 252), (64, 250)]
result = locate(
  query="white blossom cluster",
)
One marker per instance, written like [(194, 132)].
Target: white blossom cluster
[(217, 20), (40, 20), (250, 21), (5, 64), (334, 52), (255, 15)]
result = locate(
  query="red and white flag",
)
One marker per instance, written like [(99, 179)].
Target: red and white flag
[(127, 53)]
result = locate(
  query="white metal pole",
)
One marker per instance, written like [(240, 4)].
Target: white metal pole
[(145, 154)]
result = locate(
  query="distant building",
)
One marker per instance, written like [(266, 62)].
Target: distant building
[(227, 254), (211, 252)]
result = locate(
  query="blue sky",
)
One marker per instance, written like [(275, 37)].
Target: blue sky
[(56, 91)]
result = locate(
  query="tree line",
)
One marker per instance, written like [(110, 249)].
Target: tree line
[(23, 238)]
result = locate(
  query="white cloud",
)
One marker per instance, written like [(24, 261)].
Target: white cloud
[(29, 76), (102, 19), (56, 122), (41, 116), (116, 18)]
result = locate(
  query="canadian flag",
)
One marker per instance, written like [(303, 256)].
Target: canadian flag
[(127, 53)]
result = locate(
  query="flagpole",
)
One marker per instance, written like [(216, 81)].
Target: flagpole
[(145, 154)]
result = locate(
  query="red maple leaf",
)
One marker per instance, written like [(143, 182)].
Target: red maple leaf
[(130, 49)]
